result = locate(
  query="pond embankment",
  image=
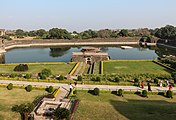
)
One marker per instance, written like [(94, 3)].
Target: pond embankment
[(43, 43)]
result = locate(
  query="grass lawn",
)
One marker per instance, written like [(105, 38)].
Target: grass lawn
[(8, 98), (57, 69), (133, 68), (111, 107)]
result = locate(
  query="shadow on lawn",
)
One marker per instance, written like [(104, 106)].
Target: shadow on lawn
[(145, 109)]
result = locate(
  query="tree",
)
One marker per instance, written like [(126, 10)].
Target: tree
[(123, 33), (23, 109), (56, 33), (46, 72), (20, 33), (41, 32), (61, 113), (104, 33)]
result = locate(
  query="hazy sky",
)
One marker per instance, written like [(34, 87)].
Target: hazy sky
[(80, 15)]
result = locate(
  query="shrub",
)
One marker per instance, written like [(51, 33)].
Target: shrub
[(21, 67), (120, 92), (98, 79), (136, 80), (50, 89), (13, 75), (144, 93), (61, 114), (28, 76), (79, 78), (43, 77), (156, 80), (75, 92), (117, 79), (96, 91), (61, 77), (169, 94), (10, 86), (46, 72), (28, 88)]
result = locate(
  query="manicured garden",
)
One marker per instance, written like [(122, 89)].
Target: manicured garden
[(9, 98), (133, 67), (57, 68), (108, 106)]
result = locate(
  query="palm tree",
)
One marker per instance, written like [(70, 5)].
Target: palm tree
[(23, 109)]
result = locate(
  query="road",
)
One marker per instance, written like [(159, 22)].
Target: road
[(84, 86)]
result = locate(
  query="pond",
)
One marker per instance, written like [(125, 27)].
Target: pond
[(64, 53)]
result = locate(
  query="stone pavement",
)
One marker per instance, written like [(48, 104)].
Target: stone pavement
[(85, 87)]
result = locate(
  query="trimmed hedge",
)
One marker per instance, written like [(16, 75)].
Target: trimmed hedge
[(144, 93), (120, 92), (28, 88), (96, 91), (169, 94), (10, 86)]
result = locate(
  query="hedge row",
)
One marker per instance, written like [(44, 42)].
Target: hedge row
[(127, 61), (74, 68), (163, 65), (39, 63)]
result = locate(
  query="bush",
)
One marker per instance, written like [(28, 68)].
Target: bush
[(169, 94), (10, 86), (61, 114), (96, 91), (75, 92), (144, 93), (46, 72), (98, 79), (120, 92), (43, 77), (28, 76), (156, 80), (117, 79), (136, 80), (61, 77), (50, 89), (79, 78), (21, 67), (13, 75), (28, 88)]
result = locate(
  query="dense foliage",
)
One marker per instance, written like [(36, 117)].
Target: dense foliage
[(10, 86), (61, 114), (21, 68), (28, 88), (24, 110), (96, 91), (169, 94)]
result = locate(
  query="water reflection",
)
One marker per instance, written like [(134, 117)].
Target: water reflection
[(64, 54), (57, 52)]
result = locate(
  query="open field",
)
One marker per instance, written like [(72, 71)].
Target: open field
[(56, 69), (8, 98), (111, 107), (132, 67)]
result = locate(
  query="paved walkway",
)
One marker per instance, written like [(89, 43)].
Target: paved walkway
[(84, 87)]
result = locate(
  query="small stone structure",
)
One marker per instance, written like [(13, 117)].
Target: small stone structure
[(89, 55), (2, 32)]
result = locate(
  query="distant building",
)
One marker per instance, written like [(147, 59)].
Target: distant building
[(2, 32), (89, 55)]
